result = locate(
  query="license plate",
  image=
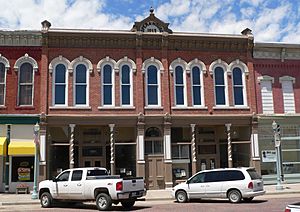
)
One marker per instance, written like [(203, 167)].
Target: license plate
[(135, 194)]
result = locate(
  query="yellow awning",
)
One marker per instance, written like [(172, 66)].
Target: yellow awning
[(23, 147), (2, 146)]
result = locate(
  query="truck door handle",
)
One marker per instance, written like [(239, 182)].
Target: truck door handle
[(79, 184), (65, 185)]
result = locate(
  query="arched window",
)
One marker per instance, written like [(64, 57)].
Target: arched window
[(153, 141), (219, 80), (179, 84), (60, 85), (25, 88), (126, 93), (238, 86), (2, 83), (152, 88), (196, 86), (107, 85), (81, 85)]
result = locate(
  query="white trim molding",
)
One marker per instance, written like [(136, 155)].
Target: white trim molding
[(105, 61), (80, 60), (265, 78), (239, 64), (127, 61), (197, 62), (58, 60), (181, 62), (218, 62), (26, 59), (152, 61), (287, 78), (5, 61)]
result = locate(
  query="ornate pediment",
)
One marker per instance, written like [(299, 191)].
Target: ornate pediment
[(151, 24)]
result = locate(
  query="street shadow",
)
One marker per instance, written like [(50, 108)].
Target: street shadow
[(224, 201)]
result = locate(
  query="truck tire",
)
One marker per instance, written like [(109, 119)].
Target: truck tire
[(103, 202), (46, 200), (127, 204)]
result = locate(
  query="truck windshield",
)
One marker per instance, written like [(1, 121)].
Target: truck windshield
[(96, 172)]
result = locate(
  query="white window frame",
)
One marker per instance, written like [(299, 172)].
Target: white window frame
[(212, 68), (112, 84), (160, 70), (201, 86), (26, 59), (184, 86), (52, 66), (5, 62), (130, 84), (292, 81), (269, 79), (87, 86)]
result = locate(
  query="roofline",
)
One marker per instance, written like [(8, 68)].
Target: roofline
[(275, 45)]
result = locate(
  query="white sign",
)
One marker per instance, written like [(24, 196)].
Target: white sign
[(268, 156)]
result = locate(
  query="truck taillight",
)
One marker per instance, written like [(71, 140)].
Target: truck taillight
[(250, 185), (287, 210), (119, 186)]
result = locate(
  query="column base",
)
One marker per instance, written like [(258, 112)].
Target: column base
[(255, 162), (168, 175)]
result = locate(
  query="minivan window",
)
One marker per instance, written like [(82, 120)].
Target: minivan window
[(253, 174), (199, 178), (233, 175), (214, 176)]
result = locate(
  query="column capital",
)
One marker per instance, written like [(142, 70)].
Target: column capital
[(72, 126), (193, 126), (111, 127)]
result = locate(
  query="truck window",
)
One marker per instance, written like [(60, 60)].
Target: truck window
[(64, 176), (96, 172), (77, 175)]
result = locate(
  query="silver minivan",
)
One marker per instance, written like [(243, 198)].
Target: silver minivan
[(232, 183)]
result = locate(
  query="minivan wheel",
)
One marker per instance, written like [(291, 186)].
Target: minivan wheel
[(249, 199), (234, 196), (181, 196)]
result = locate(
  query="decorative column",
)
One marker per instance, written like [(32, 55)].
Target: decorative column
[(6, 172), (167, 152), (255, 158), (140, 169), (43, 149), (229, 145), (71, 150), (112, 149), (193, 145)]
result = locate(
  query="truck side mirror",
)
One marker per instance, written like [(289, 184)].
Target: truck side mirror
[(54, 179)]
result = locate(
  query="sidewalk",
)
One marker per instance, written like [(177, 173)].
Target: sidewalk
[(21, 199)]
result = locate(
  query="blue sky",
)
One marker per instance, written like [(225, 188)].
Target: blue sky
[(270, 20)]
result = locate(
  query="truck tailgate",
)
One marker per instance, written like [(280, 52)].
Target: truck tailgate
[(133, 184)]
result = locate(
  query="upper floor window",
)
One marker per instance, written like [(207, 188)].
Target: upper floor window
[(81, 85), (179, 84), (196, 86), (107, 85), (126, 87), (60, 85), (266, 94), (238, 86), (152, 88), (26, 84), (288, 93), (2, 83), (219, 80)]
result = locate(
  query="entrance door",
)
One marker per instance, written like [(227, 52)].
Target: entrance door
[(93, 162), (208, 162), (155, 171)]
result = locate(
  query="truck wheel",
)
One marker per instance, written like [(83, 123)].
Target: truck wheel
[(46, 200), (234, 196), (181, 196), (103, 202), (128, 204)]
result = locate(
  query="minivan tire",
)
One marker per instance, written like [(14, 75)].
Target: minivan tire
[(181, 196), (46, 200), (103, 202), (234, 196)]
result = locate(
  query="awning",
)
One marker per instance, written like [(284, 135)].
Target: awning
[(21, 147), (2, 146)]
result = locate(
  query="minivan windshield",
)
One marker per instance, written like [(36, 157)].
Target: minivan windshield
[(253, 174)]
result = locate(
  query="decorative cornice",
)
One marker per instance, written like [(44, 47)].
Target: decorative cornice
[(287, 78), (277, 51), (128, 61), (218, 62), (197, 62), (5, 62), (181, 62), (265, 78), (155, 61), (107, 60), (20, 38), (60, 59), (26, 59), (83, 60), (240, 64)]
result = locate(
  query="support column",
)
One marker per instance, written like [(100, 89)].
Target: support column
[(255, 158), (43, 148), (6, 172), (112, 149), (193, 145), (228, 126), (167, 153), (140, 169), (72, 127)]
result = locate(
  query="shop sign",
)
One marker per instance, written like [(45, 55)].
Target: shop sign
[(268, 156), (23, 174)]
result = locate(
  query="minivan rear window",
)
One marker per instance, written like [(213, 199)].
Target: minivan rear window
[(253, 174)]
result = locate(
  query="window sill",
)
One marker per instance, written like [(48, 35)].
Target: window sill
[(24, 107), (153, 108), (190, 108), (231, 107), (2, 107), (117, 108), (70, 108)]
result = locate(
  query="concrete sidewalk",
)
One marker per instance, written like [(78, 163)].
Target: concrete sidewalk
[(20, 199)]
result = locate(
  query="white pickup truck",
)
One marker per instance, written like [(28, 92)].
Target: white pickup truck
[(86, 184), (293, 207)]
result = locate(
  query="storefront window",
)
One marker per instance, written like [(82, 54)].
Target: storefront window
[(22, 169), (126, 160)]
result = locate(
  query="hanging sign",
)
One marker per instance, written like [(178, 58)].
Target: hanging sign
[(268, 156)]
